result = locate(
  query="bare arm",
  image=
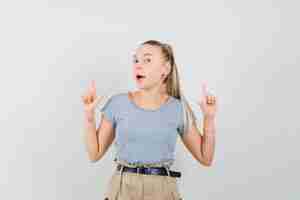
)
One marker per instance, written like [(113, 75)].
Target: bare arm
[(201, 146), (98, 141), (208, 139)]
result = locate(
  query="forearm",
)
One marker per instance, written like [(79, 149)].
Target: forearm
[(91, 137), (208, 139)]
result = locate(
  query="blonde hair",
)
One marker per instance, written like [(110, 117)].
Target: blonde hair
[(173, 86)]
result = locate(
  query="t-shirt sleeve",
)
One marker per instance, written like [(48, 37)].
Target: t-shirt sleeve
[(109, 110), (181, 122), (181, 126), (180, 129)]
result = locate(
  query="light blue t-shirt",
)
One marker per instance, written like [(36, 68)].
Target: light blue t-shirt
[(144, 135)]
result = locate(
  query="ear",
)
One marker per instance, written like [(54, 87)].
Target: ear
[(167, 67)]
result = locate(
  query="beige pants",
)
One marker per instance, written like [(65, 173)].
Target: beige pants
[(134, 186)]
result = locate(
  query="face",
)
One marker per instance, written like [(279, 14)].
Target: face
[(149, 63)]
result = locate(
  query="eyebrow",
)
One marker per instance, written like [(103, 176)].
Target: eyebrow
[(145, 54)]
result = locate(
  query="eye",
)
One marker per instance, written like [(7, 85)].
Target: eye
[(147, 59)]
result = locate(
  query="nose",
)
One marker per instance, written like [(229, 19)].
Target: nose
[(138, 66)]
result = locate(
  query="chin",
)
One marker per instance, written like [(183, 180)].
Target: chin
[(140, 86)]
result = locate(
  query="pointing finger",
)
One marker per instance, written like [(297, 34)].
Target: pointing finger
[(93, 88), (204, 89)]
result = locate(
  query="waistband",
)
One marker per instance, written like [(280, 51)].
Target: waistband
[(164, 163), (163, 171)]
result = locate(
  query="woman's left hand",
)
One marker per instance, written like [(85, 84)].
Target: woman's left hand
[(208, 102)]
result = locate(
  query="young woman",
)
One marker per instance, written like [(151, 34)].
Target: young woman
[(145, 124)]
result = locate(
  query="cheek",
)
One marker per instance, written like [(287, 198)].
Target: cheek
[(154, 75), (156, 72)]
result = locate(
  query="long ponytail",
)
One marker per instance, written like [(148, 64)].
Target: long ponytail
[(173, 85)]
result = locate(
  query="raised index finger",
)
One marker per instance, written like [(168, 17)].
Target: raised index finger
[(92, 88), (204, 89)]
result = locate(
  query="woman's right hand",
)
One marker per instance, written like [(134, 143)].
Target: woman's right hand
[(90, 101)]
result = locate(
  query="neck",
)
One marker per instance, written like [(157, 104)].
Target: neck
[(152, 95)]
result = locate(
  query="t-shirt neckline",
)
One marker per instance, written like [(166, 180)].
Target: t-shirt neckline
[(149, 110)]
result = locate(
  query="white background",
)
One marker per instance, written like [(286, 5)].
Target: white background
[(247, 51)]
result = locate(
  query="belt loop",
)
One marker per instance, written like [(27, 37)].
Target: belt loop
[(121, 170), (168, 172), (168, 177)]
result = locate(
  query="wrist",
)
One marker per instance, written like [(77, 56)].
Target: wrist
[(89, 114), (89, 124), (207, 131), (209, 135), (209, 117), (89, 120)]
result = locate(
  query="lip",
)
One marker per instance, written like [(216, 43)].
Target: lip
[(139, 80)]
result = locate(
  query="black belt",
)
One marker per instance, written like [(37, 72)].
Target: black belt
[(149, 170)]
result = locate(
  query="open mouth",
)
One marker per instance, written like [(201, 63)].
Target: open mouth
[(140, 77)]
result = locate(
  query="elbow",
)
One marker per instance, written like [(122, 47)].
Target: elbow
[(205, 162), (94, 157), (93, 160), (209, 162)]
